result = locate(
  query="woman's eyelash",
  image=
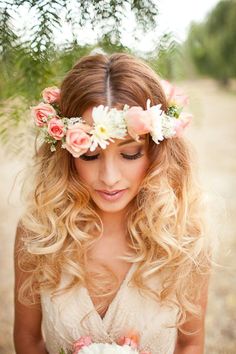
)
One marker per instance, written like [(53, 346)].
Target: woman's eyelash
[(89, 158), (132, 157), (128, 157)]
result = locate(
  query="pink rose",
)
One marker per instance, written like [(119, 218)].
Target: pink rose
[(51, 94), (56, 128), (173, 94), (138, 121), (80, 343), (41, 113), (182, 122), (77, 141), (132, 339), (131, 342)]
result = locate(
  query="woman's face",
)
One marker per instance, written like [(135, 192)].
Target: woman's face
[(113, 175)]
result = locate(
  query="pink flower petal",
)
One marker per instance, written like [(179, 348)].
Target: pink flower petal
[(138, 122), (83, 341), (77, 141), (51, 94), (56, 128), (174, 95), (181, 123), (41, 113)]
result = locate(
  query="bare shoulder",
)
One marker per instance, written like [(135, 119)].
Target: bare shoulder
[(194, 325), (27, 317)]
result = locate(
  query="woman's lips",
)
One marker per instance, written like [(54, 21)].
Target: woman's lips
[(111, 196)]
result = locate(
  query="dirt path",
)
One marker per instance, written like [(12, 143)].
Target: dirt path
[(214, 135)]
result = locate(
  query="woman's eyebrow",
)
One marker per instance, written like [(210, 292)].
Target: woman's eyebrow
[(129, 141)]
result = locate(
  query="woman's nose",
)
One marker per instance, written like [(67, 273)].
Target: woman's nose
[(110, 172)]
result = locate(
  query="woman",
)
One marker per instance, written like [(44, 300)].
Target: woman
[(113, 240)]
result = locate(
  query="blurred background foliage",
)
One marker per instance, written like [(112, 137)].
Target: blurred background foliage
[(29, 65), (212, 43), (32, 61)]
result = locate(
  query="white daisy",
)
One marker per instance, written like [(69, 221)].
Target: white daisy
[(108, 124), (102, 127), (98, 141)]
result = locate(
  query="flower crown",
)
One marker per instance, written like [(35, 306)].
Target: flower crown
[(77, 137)]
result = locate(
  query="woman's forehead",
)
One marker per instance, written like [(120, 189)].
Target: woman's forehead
[(87, 116)]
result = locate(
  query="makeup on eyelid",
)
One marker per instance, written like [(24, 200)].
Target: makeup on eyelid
[(134, 152)]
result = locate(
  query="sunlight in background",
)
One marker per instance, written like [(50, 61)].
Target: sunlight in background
[(174, 16)]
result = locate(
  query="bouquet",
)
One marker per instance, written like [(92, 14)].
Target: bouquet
[(124, 345)]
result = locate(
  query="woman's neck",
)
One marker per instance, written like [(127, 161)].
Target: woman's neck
[(114, 224)]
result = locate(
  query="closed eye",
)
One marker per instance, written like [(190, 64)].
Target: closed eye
[(132, 157), (89, 157), (125, 156)]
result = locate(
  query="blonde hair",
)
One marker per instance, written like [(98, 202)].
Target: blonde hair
[(166, 228)]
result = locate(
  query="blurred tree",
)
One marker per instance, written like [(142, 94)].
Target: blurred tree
[(66, 56), (8, 45), (166, 56), (212, 44), (29, 62)]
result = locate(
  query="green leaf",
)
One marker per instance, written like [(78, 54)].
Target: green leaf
[(62, 351)]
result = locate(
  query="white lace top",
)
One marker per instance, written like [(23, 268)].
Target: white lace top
[(129, 311)]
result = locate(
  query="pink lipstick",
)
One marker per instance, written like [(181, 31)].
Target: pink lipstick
[(111, 195)]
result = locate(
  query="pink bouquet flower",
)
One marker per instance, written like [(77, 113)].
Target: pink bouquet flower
[(182, 123), (125, 345), (174, 95), (138, 122), (51, 94), (42, 113), (77, 141), (56, 128)]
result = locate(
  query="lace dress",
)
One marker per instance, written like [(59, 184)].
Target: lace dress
[(129, 311)]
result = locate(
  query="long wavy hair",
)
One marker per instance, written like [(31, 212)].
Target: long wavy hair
[(165, 224)]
